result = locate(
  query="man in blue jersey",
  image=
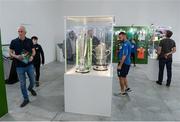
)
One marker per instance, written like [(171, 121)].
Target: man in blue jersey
[(124, 63)]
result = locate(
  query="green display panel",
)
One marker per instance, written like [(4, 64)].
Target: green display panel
[(3, 100), (140, 35)]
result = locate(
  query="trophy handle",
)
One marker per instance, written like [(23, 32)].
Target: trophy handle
[(93, 53), (108, 52)]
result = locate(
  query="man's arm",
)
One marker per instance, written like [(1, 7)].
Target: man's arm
[(42, 54), (33, 52), (13, 55), (173, 50), (122, 61), (160, 47), (125, 53), (32, 55), (159, 50)]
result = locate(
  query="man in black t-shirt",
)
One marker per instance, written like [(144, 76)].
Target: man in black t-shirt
[(166, 48), (22, 50)]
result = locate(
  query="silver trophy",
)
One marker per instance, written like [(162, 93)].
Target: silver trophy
[(101, 57)]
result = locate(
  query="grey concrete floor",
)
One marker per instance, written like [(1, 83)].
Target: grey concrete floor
[(147, 101)]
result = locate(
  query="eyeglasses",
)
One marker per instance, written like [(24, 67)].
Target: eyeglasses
[(20, 31)]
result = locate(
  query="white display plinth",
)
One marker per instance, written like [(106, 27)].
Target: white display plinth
[(89, 93), (153, 70)]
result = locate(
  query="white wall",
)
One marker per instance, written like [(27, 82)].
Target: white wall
[(128, 12), (46, 17), (38, 17)]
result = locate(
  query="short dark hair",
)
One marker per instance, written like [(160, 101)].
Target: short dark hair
[(122, 33), (34, 37), (169, 33)]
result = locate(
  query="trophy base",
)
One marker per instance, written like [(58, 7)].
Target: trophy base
[(82, 71), (100, 68)]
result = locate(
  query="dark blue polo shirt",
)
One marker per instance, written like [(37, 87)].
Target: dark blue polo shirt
[(133, 47), (18, 46)]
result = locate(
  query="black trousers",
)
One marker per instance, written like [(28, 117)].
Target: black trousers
[(133, 58), (162, 63), (13, 78), (37, 71)]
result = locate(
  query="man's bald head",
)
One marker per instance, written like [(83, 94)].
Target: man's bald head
[(22, 28), (21, 32)]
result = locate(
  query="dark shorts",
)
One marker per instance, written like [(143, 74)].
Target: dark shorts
[(123, 72)]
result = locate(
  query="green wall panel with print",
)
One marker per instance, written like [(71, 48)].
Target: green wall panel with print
[(3, 99), (138, 34)]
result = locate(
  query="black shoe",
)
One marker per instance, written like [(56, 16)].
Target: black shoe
[(159, 83), (168, 85), (128, 90), (37, 84), (24, 103), (124, 94), (32, 92), (121, 94)]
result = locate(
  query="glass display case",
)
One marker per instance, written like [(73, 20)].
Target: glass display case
[(88, 43), (88, 47), (5, 50), (6, 60)]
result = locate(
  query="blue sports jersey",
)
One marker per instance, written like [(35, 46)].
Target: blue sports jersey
[(125, 49)]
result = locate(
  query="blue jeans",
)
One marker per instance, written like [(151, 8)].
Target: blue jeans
[(21, 72)]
